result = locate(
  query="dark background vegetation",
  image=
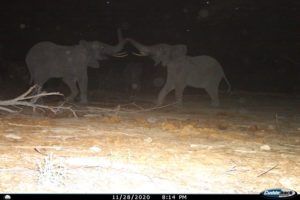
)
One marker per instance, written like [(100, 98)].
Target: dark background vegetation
[(256, 41)]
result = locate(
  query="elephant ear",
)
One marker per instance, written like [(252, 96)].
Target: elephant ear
[(160, 54), (95, 52), (164, 53), (85, 44), (93, 63), (178, 51), (172, 52)]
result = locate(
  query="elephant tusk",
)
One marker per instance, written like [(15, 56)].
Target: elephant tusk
[(138, 54), (120, 55)]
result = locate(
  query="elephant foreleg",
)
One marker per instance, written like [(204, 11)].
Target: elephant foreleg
[(72, 85), (39, 82), (179, 88), (213, 93), (168, 87), (82, 82)]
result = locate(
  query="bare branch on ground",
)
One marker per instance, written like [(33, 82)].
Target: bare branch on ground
[(29, 99)]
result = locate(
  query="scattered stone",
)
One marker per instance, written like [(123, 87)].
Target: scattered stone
[(168, 126), (271, 127), (195, 145), (201, 146), (152, 120), (95, 149), (111, 119), (265, 148), (253, 128), (188, 130), (222, 126), (148, 140), (13, 136)]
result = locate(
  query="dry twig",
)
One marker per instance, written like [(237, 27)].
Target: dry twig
[(29, 99), (268, 170), (119, 110)]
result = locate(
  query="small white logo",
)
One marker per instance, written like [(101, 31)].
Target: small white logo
[(278, 193), (7, 197)]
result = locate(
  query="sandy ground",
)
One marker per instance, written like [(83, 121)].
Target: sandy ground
[(249, 144)]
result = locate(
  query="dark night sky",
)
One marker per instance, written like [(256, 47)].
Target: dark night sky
[(258, 38)]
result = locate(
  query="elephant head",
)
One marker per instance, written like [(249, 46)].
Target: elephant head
[(160, 53), (101, 51)]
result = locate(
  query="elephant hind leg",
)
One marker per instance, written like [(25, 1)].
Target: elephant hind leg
[(179, 88), (164, 92), (213, 93), (40, 83), (73, 87), (82, 84)]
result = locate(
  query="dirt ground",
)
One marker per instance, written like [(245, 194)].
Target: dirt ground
[(249, 144)]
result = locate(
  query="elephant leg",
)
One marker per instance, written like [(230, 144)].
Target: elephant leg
[(179, 88), (39, 82), (72, 85), (213, 93), (83, 82), (168, 87)]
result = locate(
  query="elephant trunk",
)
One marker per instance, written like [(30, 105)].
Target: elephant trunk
[(142, 48), (119, 47), (121, 41)]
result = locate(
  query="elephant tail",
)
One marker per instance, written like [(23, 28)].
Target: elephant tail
[(227, 82), (31, 80)]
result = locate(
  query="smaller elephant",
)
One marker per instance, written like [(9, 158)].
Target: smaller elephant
[(182, 70), (47, 60)]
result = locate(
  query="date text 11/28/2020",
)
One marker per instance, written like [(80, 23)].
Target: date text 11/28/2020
[(149, 197)]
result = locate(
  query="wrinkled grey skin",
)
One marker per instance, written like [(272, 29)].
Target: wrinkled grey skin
[(182, 70), (132, 75), (47, 60)]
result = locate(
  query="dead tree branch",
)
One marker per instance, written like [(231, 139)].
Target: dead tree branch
[(29, 99)]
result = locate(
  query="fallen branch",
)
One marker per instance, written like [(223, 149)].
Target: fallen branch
[(118, 110), (268, 170), (29, 99)]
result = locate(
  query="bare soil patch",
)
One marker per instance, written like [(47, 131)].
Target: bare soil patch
[(249, 144)]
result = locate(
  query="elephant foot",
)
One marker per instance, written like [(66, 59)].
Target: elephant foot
[(178, 105), (158, 103), (132, 97), (83, 101), (179, 102), (215, 104), (69, 99)]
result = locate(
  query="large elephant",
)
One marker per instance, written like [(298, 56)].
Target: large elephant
[(182, 70), (47, 60)]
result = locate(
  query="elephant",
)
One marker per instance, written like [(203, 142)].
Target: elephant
[(47, 60), (183, 70)]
